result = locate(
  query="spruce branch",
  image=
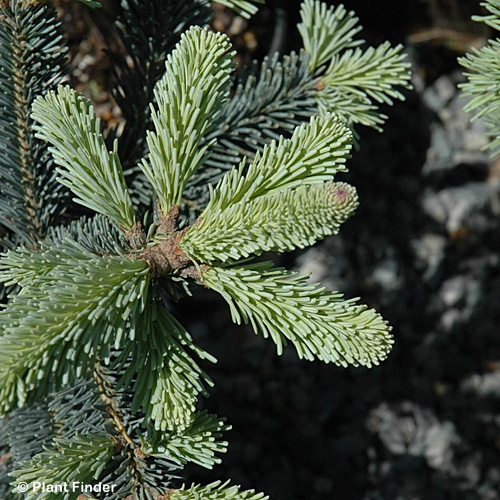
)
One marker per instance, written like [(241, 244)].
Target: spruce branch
[(33, 59), (281, 304), (148, 31), (483, 72), (91, 407), (269, 100), (375, 72), (67, 121), (273, 99), (493, 19), (189, 95), (353, 108), (80, 459), (326, 31), (165, 380), (133, 470), (197, 444), (356, 80), (97, 234), (20, 266), (105, 389), (281, 222), (79, 408), (48, 329), (26, 431), (26, 267), (90, 309), (315, 153)]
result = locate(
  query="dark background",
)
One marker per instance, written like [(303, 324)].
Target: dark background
[(423, 249)]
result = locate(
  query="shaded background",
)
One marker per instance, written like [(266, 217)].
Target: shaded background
[(422, 249)]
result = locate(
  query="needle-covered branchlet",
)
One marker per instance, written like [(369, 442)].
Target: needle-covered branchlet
[(219, 169)]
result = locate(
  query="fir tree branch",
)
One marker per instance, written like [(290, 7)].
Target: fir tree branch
[(97, 234), (483, 71), (166, 382), (133, 472), (78, 460), (33, 59), (352, 107), (148, 31), (68, 122), (189, 95), (281, 304), (49, 329), (326, 31), (280, 222), (197, 444), (269, 101), (493, 19), (315, 153), (25, 431), (265, 104), (375, 72)]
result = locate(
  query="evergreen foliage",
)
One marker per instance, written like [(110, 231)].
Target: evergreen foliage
[(33, 59), (93, 173), (91, 452), (188, 96), (209, 172), (483, 72), (272, 100)]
